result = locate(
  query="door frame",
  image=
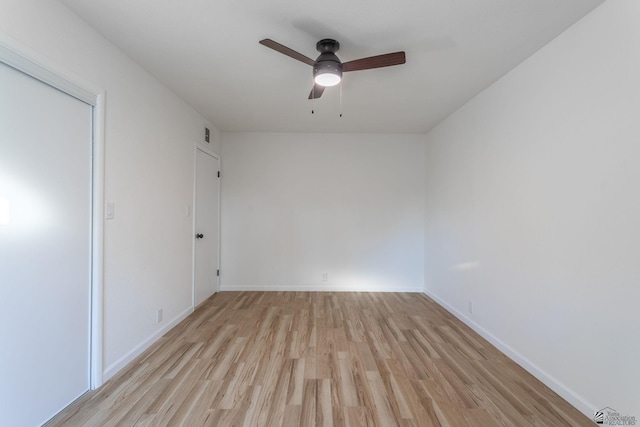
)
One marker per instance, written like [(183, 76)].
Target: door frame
[(40, 68), (205, 150)]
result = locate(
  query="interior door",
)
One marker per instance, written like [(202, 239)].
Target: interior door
[(207, 233), (45, 248)]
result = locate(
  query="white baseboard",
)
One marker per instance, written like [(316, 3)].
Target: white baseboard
[(317, 288), (114, 368), (565, 392)]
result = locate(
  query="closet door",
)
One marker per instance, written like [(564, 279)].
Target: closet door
[(45, 248)]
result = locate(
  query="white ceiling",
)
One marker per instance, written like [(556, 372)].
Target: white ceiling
[(207, 52)]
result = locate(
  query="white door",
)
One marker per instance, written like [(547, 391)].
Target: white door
[(45, 249), (207, 233)]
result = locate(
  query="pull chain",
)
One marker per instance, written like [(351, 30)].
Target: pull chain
[(313, 96), (340, 99)]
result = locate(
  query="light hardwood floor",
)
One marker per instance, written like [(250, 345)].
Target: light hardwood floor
[(321, 359)]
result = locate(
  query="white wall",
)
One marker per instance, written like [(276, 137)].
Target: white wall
[(295, 206), (533, 210), (149, 144)]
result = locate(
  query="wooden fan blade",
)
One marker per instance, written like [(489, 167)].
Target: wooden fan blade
[(316, 92), (285, 50), (378, 61)]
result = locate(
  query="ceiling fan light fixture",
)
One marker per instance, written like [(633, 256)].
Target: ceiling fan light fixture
[(327, 73), (327, 79)]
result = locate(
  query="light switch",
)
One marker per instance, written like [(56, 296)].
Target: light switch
[(109, 210), (187, 210)]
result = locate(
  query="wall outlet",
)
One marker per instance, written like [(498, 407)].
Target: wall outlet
[(324, 277), (159, 316), (470, 306)]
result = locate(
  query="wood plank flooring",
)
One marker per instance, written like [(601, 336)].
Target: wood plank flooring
[(321, 359)]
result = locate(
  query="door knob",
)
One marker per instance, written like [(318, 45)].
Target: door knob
[(199, 236)]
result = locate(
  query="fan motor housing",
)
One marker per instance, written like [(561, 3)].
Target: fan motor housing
[(327, 62)]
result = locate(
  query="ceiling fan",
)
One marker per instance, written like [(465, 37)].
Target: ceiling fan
[(327, 68)]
